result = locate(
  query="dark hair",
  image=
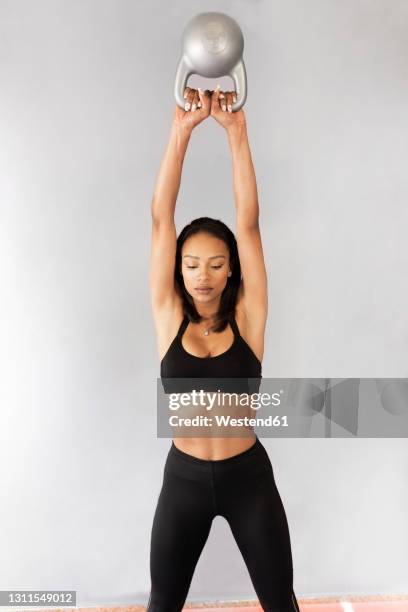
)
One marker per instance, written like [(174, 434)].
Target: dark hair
[(216, 228)]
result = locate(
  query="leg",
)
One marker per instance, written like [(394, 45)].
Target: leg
[(258, 523), (181, 525)]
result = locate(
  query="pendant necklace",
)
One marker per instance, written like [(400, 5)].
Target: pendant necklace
[(207, 331)]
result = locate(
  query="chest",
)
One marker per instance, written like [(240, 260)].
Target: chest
[(207, 345), (237, 361)]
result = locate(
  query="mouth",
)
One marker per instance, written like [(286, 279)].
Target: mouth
[(203, 290)]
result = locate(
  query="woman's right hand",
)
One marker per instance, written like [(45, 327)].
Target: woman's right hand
[(197, 108)]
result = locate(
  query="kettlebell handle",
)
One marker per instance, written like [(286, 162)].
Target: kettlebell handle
[(238, 75)]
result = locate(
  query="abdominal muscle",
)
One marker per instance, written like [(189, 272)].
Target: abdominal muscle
[(236, 440)]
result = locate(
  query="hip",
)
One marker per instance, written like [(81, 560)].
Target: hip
[(245, 466)]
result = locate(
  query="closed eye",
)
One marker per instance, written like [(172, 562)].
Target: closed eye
[(213, 267)]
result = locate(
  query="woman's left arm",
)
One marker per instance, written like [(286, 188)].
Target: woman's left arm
[(254, 287)]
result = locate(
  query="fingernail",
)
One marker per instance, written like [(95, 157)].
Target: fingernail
[(229, 108), (185, 95), (187, 106), (194, 107)]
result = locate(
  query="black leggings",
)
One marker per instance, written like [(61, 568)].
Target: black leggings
[(240, 488)]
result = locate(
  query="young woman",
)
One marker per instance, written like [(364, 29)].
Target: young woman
[(209, 300)]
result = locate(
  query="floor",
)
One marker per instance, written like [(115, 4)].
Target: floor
[(342, 606), (352, 604)]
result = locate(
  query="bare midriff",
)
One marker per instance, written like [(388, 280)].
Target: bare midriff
[(209, 441), (215, 448)]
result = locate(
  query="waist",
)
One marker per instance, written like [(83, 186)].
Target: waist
[(242, 450)]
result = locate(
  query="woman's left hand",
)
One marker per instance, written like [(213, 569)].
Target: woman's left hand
[(221, 109)]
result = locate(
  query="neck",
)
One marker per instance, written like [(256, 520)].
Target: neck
[(207, 311)]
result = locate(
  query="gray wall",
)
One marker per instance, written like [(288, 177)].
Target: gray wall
[(85, 111)]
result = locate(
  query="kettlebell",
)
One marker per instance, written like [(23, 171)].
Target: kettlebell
[(212, 46)]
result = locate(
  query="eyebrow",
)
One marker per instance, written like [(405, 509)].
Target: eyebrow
[(213, 257)]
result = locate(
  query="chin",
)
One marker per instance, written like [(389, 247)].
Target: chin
[(203, 299)]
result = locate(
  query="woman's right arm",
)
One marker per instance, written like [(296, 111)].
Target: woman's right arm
[(164, 238)]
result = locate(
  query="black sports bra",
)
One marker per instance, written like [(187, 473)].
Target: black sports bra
[(237, 362)]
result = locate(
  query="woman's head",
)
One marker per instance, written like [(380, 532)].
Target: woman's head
[(207, 256)]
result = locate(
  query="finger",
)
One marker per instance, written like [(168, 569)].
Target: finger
[(189, 99), (214, 100), (195, 100), (186, 91), (220, 98), (223, 103), (229, 101), (209, 100), (203, 98)]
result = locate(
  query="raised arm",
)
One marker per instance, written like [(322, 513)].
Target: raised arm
[(253, 296), (164, 239), (254, 279)]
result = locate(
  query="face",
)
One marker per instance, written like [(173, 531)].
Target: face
[(205, 264)]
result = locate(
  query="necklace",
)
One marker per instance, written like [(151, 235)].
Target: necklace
[(206, 332)]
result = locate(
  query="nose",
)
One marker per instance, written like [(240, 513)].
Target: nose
[(202, 275)]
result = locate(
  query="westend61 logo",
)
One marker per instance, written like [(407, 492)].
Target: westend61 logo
[(210, 400)]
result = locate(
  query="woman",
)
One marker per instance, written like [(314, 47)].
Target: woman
[(211, 322)]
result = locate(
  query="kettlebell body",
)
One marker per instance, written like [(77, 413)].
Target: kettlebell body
[(212, 46)]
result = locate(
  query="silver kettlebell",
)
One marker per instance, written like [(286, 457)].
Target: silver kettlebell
[(212, 46)]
